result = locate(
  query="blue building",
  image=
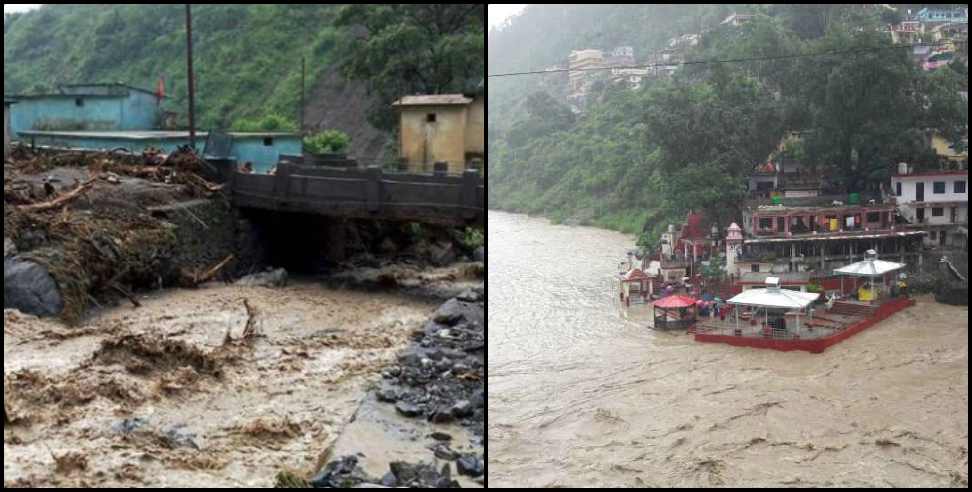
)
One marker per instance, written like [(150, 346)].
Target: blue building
[(87, 107), (942, 14), (263, 150)]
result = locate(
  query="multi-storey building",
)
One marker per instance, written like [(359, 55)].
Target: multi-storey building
[(937, 202)]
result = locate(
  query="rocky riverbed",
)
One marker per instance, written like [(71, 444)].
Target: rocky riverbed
[(427, 413)]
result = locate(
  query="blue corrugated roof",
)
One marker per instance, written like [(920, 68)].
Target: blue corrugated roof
[(88, 90)]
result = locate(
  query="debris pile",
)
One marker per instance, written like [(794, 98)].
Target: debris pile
[(82, 227)]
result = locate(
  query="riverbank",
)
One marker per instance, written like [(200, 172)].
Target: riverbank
[(583, 394)]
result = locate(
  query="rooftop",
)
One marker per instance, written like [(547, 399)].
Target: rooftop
[(774, 298), (146, 135), (836, 236), (819, 208), (869, 267), (927, 174), (434, 100), (89, 90)]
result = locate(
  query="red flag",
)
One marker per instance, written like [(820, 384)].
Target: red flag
[(160, 88)]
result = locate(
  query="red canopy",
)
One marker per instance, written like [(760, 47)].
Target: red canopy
[(636, 274), (675, 302)]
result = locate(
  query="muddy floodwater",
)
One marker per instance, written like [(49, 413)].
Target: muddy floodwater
[(582, 393), (195, 388)]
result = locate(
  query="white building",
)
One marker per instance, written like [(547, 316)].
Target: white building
[(935, 201), (631, 76), (623, 52), (737, 20)]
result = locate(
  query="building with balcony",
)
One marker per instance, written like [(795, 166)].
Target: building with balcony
[(816, 234), (934, 201)]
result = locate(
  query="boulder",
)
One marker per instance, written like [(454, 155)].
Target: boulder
[(462, 409), (471, 466), (408, 409), (273, 278), (480, 254), (450, 313), (30, 288)]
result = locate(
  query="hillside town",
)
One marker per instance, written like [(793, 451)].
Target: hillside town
[(946, 26)]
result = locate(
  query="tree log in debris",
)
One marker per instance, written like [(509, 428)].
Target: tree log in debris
[(194, 279), (131, 297), (58, 202)]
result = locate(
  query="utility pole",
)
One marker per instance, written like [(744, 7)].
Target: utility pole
[(303, 76), (191, 81)]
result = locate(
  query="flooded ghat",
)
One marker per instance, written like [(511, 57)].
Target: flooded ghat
[(584, 394), (221, 386)]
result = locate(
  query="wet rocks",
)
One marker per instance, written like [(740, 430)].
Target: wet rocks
[(408, 409), (441, 436), (387, 394), (441, 376), (462, 409), (273, 278), (450, 313), (480, 254), (471, 466), (340, 474), (30, 288), (344, 473), (422, 476), (9, 248), (444, 452)]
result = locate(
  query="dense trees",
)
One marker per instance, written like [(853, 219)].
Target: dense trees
[(413, 49), (248, 57), (637, 160)]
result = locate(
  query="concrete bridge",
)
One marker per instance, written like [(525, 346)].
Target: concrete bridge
[(370, 193)]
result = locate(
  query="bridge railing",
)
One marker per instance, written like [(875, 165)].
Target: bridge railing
[(367, 193)]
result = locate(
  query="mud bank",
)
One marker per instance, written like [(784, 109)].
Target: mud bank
[(195, 388)]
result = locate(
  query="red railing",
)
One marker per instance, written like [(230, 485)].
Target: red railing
[(787, 343)]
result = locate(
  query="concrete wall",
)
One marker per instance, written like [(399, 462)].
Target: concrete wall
[(909, 185), (476, 127), (264, 157), (424, 143), (137, 111)]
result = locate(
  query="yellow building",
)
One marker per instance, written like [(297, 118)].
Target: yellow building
[(944, 150), (446, 128)]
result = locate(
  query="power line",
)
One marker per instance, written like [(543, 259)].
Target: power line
[(737, 60)]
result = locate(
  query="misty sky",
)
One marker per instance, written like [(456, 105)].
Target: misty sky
[(19, 7), (501, 12)]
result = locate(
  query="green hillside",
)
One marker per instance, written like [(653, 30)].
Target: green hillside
[(637, 160), (247, 57)]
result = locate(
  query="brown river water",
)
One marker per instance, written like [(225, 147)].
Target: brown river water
[(175, 394), (583, 394)]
